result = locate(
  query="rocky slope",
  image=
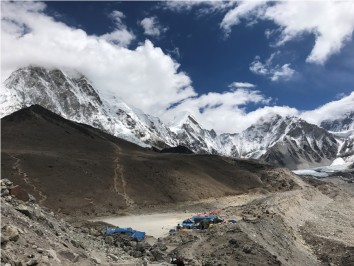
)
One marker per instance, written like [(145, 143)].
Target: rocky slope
[(307, 224), (33, 235)]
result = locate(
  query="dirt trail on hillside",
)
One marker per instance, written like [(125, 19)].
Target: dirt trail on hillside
[(17, 166), (120, 184)]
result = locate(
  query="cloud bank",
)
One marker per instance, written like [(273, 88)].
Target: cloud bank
[(332, 110)]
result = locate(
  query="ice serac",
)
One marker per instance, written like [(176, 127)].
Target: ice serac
[(73, 96)]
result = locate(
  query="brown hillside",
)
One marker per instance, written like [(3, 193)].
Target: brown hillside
[(78, 169)]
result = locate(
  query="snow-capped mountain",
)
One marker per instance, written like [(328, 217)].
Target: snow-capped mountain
[(344, 123), (72, 96), (255, 140), (343, 129), (302, 145), (285, 141), (191, 134)]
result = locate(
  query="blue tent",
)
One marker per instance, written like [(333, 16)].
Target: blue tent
[(138, 235), (128, 231), (197, 219), (187, 223), (110, 231)]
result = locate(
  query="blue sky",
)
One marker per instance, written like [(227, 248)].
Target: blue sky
[(299, 62), (213, 61)]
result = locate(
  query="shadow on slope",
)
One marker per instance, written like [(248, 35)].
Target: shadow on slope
[(77, 169)]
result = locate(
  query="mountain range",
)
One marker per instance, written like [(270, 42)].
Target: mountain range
[(285, 141)]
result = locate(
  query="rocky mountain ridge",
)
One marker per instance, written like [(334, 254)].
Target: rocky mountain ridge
[(285, 141), (344, 123)]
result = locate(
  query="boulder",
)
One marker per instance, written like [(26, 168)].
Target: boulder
[(157, 254), (4, 192), (32, 262), (73, 257), (234, 242), (109, 240), (31, 199), (53, 255), (25, 210), (11, 232)]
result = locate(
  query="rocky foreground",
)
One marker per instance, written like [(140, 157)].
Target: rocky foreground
[(310, 224)]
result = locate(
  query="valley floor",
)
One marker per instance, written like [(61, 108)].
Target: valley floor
[(310, 225)]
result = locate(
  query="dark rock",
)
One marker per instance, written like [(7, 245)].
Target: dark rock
[(157, 254), (4, 192), (24, 209), (109, 240), (4, 240), (140, 247), (178, 149), (137, 254), (161, 246), (75, 243), (39, 232), (234, 243), (248, 250)]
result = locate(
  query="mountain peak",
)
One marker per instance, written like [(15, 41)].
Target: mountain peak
[(181, 119), (71, 95)]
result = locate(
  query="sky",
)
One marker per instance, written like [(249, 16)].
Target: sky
[(226, 63)]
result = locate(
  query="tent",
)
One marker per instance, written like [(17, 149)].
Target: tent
[(139, 235)]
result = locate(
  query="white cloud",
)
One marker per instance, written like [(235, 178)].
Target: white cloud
[(152, 27), (120, 35), (283, 72), (332, 110), (268, 69), (224, 112), (241, 85), (204, 7), (331, 22), (244, 10), (137, 76)]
